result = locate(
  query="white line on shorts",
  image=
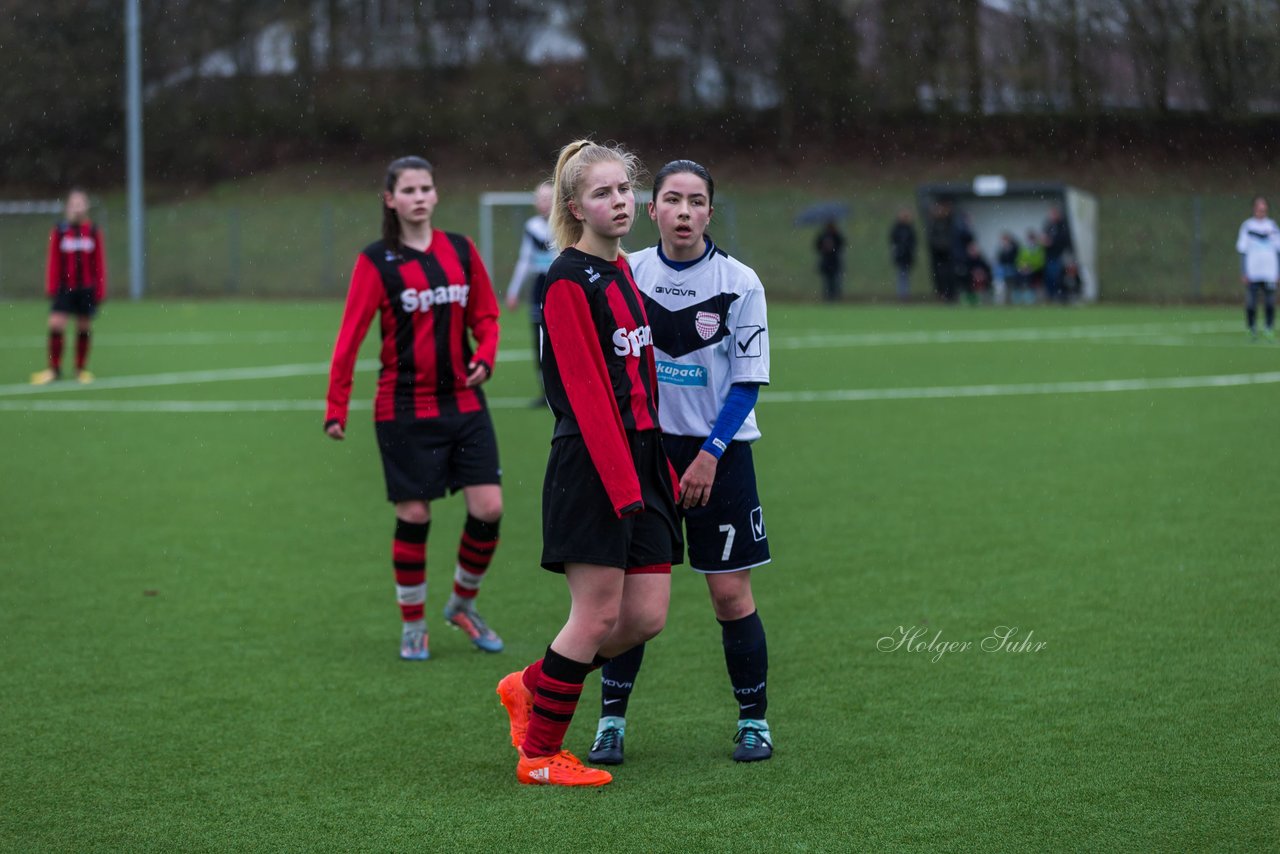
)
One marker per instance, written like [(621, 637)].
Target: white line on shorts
[(832, 396)]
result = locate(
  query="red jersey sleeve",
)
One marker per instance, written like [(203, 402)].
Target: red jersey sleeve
[(99, 267), (574, 339), (482, 311), (53, 269), (363, 300)]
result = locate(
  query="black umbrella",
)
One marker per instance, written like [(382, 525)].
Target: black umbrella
[(822, 213)]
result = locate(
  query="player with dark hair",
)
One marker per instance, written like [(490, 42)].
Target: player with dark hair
[(608, 500), (711, 333), (1259, 246), (76, 281), (430, 289)]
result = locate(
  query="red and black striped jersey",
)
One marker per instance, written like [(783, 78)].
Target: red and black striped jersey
[(76, 259), (428, 301), (597, 364)]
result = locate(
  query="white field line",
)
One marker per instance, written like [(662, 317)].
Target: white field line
[(176, 339), (992, 336), (853, 339), (767, 397), (517, 354)]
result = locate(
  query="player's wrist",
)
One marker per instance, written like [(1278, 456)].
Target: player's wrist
[(715, 446)]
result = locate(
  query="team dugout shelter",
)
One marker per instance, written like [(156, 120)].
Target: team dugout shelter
[(994, 206)]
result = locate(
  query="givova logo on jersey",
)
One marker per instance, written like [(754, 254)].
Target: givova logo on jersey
[(412, 299), (631, 343)]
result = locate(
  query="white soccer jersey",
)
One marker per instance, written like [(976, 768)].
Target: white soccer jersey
[(537, 251), (1259, 243), (710, 331)]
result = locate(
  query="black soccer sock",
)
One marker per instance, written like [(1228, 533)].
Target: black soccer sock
[(747, 657), (617, 678), (1251, 317), (1270, 310)]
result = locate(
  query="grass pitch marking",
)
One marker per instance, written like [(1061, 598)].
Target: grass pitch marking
[(1133, 333), (832, 396)]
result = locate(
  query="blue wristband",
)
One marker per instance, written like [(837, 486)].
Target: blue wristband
[(737, 406)]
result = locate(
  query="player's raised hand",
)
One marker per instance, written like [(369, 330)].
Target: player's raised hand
[(695, 483)]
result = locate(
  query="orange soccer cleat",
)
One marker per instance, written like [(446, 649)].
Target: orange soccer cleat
[(563, 769), (519, 702)]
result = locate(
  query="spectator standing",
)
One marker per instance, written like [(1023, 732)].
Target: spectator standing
[(902, 242), (1031, 266), (978, 274), (940, 229), (1007, 282), (830, 248), (1057, 241), (961, 237)]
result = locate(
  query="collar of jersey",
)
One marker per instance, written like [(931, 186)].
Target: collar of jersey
[(617, 265), (681, 266)]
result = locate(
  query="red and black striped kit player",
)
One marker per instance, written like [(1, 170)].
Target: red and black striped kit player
[(439, 323), (76, 282), (601, 385), (609, 519)]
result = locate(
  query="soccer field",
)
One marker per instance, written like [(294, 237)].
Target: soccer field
[(200, 636)]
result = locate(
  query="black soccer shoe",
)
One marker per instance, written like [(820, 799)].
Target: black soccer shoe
[(607, 749), (753, 740)]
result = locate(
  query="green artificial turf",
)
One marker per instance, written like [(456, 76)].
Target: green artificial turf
[(198, 634)]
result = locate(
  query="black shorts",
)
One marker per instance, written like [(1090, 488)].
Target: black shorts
[(425, 458), (578, 521), (77, 301), (727, 535)]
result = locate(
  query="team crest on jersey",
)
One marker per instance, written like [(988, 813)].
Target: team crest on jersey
[(706, 322)]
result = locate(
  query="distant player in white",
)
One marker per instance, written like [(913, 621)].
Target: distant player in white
[(711, 341), (537, 251), (1259, 246)]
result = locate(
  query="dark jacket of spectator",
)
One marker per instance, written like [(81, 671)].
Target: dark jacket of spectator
[(902, 242)]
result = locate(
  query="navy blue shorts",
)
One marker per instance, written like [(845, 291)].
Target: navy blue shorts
[(77, 301), (424, 459), (579, 524), (728, 534)]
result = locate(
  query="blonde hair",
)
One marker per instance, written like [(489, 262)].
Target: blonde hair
[(571, 166)]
